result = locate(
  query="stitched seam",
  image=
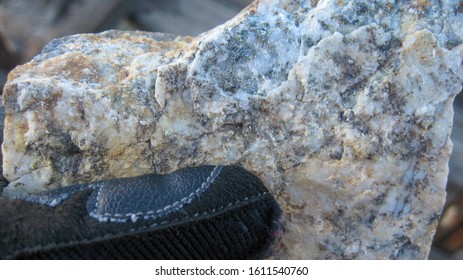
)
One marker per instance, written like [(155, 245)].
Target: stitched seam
[(116, 235), (153, 214)]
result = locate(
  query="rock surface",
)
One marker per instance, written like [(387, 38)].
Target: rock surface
[(3, 182), (342, 108)]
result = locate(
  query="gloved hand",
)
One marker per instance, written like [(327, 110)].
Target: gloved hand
[(207, 212)]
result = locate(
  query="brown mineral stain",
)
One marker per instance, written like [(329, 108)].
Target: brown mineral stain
[(422, 5), (20, 131), (389, 6), (252, 8), (122, 74), (74, 66), (423, 47)]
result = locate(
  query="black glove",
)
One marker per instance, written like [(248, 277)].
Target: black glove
[(207, 212)]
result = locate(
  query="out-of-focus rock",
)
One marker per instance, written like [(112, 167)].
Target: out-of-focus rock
[(342, 108), (29, 24), (3, 182)]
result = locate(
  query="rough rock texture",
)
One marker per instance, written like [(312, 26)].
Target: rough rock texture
[(342, 108)]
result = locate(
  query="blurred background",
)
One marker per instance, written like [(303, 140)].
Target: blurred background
[(27, 25)]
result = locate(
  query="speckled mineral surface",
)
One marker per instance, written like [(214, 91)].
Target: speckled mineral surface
[(342, 108)]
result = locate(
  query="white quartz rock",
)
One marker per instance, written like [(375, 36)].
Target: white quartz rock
[(342, 108)]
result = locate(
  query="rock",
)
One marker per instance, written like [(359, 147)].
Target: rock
[(3, 182), (342, 108)]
